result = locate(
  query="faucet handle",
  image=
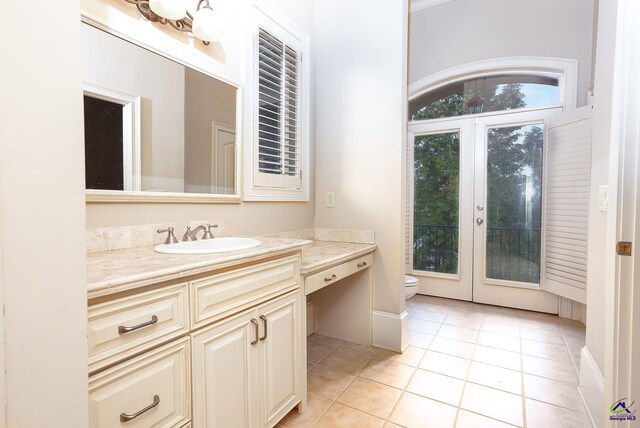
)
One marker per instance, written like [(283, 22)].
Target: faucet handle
[(171, 238), (207, 231)]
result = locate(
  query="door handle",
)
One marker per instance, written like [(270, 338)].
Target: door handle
[(479, 221), (264, 320), (257, 330)]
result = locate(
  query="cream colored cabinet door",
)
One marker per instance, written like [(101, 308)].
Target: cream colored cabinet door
[(279, 357), (224, 373)]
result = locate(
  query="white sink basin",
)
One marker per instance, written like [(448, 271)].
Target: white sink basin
[(205, 246)]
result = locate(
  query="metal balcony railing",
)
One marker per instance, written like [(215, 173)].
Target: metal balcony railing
[(511, 254)]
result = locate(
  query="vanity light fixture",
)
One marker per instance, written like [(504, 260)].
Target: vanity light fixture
[(205, 25)]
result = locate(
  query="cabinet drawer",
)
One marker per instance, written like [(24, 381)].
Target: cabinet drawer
[(221, 295), (152, 390), (129, 325), (329, 276)]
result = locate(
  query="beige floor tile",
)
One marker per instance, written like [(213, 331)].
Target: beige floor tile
[(468, 419), (390, 425), (445, 364), (546, 322), (495, 377), (552, 392), (415, 411), (500, 341), (458, 333), (420, 340), (452, 347), (411, 356), (500, 327), (436, 386), (545, 350), (360, 349), (324, 340), (467, 320), (426, 315), (556, 370), (389, 373), (346, 417), (370, 397), (493, 403), (327, 383), (346, 361), (543, 415), (423, 326), (546, 336), (309, 365), (316, 406), (317, 351), (497, 357)]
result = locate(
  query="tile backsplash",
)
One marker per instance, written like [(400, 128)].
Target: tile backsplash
[(119, 238), (333, 235)]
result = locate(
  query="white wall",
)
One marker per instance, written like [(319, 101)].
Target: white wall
[(597, 252), (42, 201), (226, 61), (462, 31), (360, 54)]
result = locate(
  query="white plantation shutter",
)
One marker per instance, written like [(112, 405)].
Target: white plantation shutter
[(279, 160), (565, 232)]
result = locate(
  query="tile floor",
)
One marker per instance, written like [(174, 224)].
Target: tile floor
[(468, 365)]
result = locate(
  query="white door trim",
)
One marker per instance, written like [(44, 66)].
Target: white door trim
[(622, 332)]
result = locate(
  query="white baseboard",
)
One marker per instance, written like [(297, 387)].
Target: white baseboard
[(592, 388), (390, 331)]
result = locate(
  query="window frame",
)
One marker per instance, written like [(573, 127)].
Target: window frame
[(259, 186)]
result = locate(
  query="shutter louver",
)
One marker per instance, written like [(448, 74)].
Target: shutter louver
[(568, 172), (278, 107)]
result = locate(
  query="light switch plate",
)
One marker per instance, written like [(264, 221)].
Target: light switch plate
[(603, 198), (331, 199)]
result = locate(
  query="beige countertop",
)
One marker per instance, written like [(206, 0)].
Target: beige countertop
[(323, 254), (115, 271)]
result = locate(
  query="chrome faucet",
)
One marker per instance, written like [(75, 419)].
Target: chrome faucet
[(190, 235)]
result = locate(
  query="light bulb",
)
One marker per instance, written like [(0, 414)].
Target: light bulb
[(206, 25), (170, 9)]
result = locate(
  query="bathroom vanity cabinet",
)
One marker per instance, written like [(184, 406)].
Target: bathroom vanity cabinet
[(222, 348)]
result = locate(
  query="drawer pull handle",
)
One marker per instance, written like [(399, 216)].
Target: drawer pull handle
[(122, 329), (255, 326), (126, 418), (363, 264), (333, 277), (264, 320)]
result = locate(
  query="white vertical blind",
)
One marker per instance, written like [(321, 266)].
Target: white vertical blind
[(565, 234), (278, 107)]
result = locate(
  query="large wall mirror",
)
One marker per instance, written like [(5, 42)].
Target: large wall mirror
[(155, 129)]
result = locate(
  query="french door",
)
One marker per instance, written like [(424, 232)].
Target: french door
[(477, 208)]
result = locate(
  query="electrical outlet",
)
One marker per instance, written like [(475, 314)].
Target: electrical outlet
[(603, 198), (331, 199)]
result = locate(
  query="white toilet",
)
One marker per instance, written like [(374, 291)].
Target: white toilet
[(410, 286)]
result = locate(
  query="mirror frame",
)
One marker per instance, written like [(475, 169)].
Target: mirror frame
[(122, 196)]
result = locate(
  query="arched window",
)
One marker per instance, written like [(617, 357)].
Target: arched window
[(489, 93)]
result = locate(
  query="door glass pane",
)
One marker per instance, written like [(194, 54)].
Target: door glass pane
[(513, 211), (436, 190)]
